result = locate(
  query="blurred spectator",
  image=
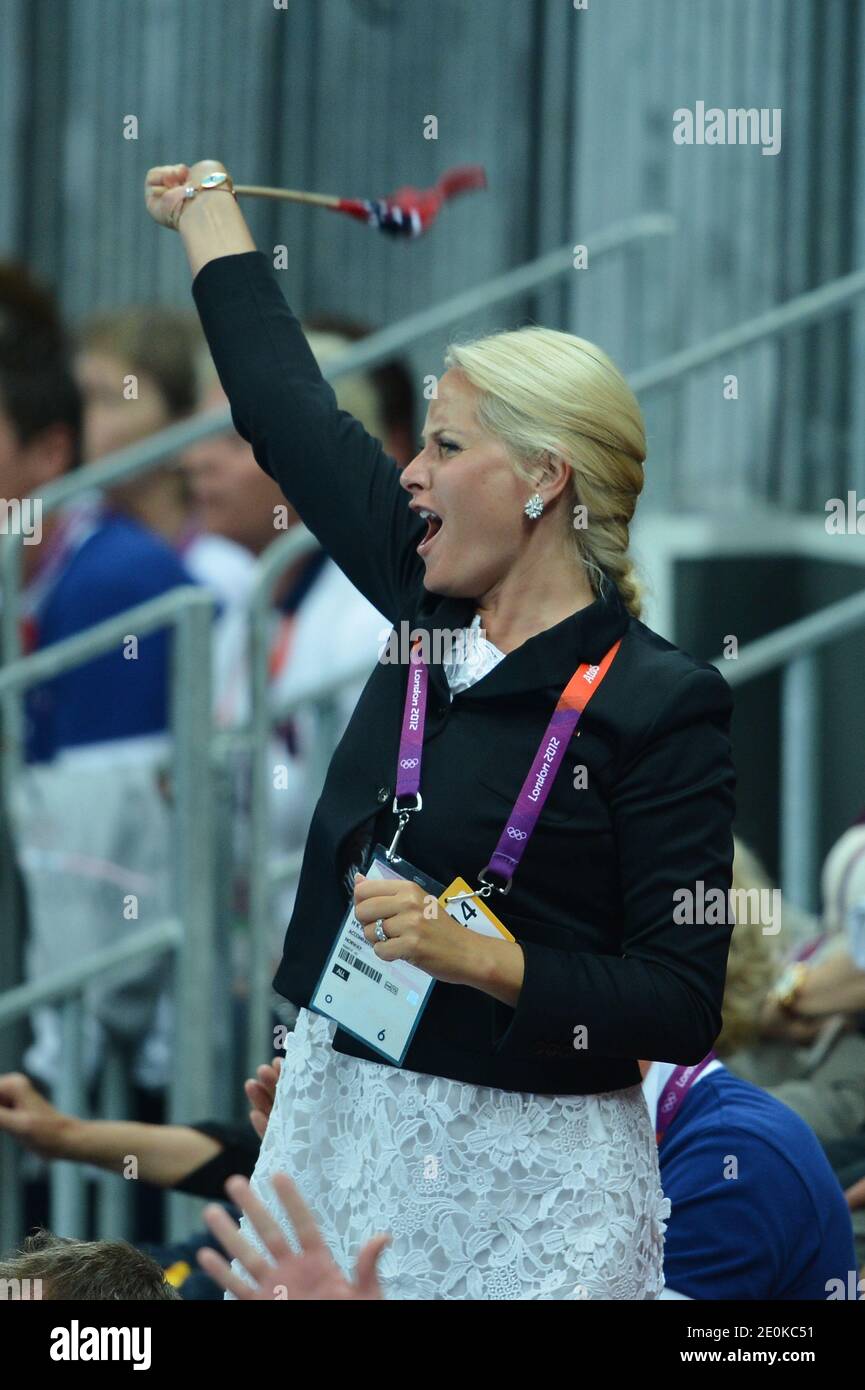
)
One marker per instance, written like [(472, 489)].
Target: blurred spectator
[(394, 419), (197, 1160), (40, 425), (62, 1270), (753, 960), (138, 375), (188, 1158), (90, 829), (136, 370), (90, 563), (757, 1212), (810, 1048), (194, 1159)]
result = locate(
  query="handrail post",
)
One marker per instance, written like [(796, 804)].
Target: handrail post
[(11, 713), (113, 1221), (272, 565), (799, 774), (188, 611), (67, 1179), (259, 1044), (228, 1057), (13, 1032), (197, 1012)]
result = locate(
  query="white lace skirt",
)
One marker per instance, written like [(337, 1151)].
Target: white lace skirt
[(487, 1194)]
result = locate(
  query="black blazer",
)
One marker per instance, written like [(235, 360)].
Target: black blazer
[(592, 903)]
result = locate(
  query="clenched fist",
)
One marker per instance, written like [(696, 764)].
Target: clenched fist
[(164, 184)]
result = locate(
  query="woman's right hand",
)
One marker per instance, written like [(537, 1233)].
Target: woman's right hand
[(166, 204)]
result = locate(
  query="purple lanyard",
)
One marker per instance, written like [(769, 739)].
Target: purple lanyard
[(411, 737), (527, 808), (673, 1094)]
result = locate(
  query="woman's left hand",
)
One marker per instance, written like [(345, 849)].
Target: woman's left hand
[(418, 929)]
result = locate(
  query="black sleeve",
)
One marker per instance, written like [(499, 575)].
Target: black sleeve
[(672, 810), (336, 476), (239, 1155)]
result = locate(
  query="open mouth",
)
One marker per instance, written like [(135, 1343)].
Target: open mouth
[(433, 526)]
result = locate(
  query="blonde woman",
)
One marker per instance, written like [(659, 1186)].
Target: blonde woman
[(475, 1092)]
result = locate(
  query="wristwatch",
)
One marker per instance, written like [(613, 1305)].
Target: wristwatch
[(208, 184), (789, 986)]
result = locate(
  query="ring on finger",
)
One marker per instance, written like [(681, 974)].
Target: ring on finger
[(380, 933)]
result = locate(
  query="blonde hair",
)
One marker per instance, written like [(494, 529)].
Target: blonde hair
[(542, 391), (752, 964)]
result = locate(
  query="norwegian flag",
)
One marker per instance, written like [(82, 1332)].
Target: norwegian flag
[(411, 211)]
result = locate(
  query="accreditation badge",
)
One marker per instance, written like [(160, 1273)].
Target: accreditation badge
[(379, 1002)]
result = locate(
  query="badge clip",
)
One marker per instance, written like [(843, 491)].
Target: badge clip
[(403, 813), (484, 892), (493, 886)]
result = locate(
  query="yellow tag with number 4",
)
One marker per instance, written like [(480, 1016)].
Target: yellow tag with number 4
[(472, 912)]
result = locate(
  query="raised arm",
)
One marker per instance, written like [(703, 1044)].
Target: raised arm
[(163, 1154), (338, 478)]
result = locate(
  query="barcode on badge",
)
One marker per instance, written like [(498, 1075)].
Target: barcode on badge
[(361, 965)]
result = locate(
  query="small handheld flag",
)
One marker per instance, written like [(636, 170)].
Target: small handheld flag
[(407, 213)]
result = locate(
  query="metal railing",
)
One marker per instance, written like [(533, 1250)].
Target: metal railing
[(189, 937), (793, 650), (810, 307)]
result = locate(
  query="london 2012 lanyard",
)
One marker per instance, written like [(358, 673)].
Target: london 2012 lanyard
[(673, 1094), (527, 808)]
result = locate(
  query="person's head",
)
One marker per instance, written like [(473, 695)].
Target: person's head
[(533, 410), (382, 397), (40, 404), (137, 371), (82, 1270), (233, 496)]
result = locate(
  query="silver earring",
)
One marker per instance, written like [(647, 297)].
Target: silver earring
[(534, 506)]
